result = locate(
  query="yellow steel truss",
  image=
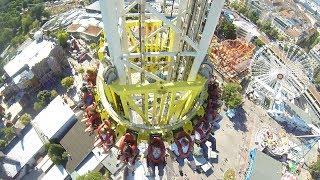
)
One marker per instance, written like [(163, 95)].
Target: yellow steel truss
[(163, 102), (157, 42)]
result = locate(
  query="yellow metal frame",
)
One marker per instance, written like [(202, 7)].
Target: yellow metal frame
[(163, 95), (159, 42)]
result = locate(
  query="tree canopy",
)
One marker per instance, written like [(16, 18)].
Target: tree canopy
[(17, 18), (232, 95), (314, 169), (257, 42), (67, 82), (25, 119), (43, 99), (254, 17), (317, 77), (57, 153), (93, 175), (6, 135), (310, 42), (62, 37), (227, 29)]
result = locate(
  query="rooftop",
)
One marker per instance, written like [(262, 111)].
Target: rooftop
[(293, 32), (247, 26), (21, 153), (89, 163), (266, 167), (93, 31), (32, 54), (73, 27), (94, 6), (56, 172), (51, 119), (48, 122), (90, 26), (78, 144)]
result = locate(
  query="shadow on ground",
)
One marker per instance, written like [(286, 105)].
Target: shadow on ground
[(239, 120), (293, 130)]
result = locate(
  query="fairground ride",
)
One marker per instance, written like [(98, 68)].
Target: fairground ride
[(281, 74), (150, 80)]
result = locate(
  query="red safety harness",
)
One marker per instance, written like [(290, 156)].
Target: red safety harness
[(128, 139), (157, 144)]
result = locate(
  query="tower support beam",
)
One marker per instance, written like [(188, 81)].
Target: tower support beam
[(210, 26), (111, 25)]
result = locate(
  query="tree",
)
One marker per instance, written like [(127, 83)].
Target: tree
[(18, 40), (25, 119), (8, 133), (281, 38), (37, 11), (314, 169), (232, 95), (274, 33), (67, 82), (227, 29), (253, 16), (35, 24), (257, 42), (234, 5), (230, 174), (54, 94), (91, 176), (26, 23), (57, 153), (93, 46), (44, 96), (43, 99), (38, 106), (25, 4), (317, 77), (62, 37), (81, 70), (3, 144)]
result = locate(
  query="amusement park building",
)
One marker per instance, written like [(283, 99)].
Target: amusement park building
[(38, 63), (52, 122)]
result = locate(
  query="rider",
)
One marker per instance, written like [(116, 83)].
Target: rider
[(203, 134), (212, 110), (90, 77), (87, 97), (182, 148), (128, 150), (92, 118), (106, 138), (155, 155)]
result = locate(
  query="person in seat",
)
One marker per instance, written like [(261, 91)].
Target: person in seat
[(182, 148), (155, 155), (128, 150), (87, 97), (92, 118), (202, 134), (106, 138), (90, 77)]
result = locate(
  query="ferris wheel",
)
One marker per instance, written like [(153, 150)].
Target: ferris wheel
[(281, 70)]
